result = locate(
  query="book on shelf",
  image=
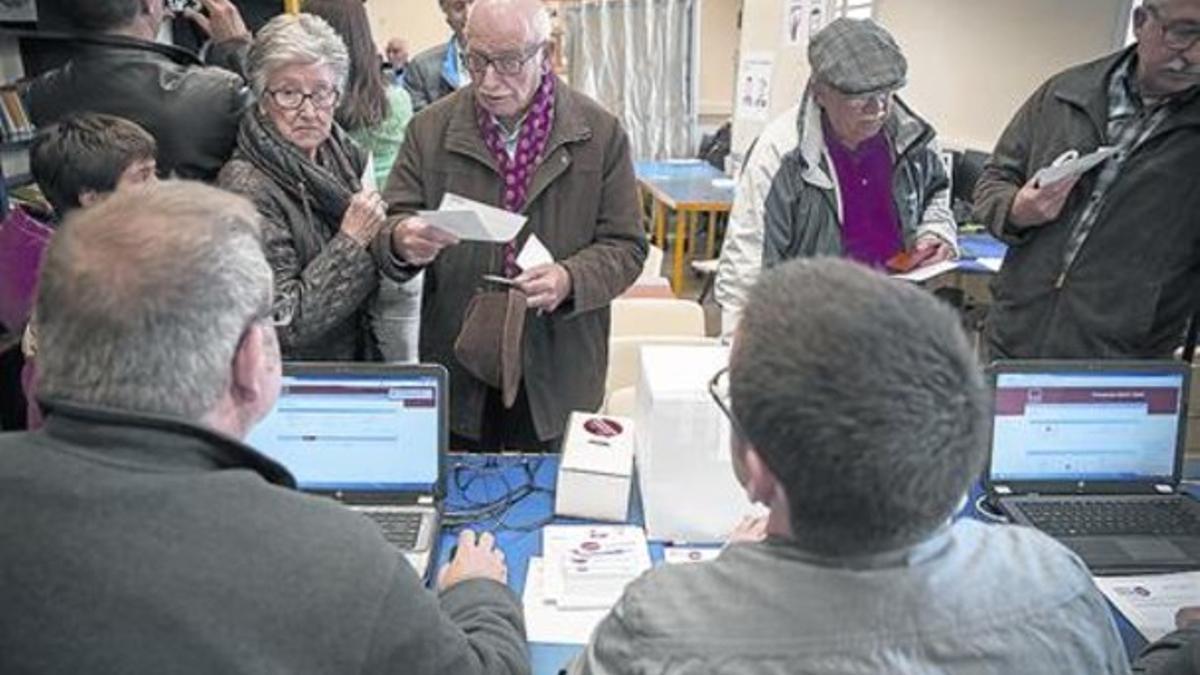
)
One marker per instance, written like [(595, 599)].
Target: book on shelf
[(15, 123)]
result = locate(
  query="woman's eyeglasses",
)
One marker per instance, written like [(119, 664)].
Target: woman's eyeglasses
[(293, 99)]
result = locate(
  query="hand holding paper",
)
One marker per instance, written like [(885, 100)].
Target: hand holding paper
[(418, 242), (1071, 164), (470, 220)]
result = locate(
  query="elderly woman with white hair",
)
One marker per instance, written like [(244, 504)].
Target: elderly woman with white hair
[(325, 235)]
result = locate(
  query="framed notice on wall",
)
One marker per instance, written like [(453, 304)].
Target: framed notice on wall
[(754, 86), (18, 11)]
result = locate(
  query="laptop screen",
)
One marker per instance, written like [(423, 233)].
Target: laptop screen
[(1086, 426), (355, 432)]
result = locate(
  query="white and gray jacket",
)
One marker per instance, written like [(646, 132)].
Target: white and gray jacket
[(788, 203), (974, 599)]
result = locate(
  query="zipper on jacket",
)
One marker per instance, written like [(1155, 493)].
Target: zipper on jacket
[(1062, 279)]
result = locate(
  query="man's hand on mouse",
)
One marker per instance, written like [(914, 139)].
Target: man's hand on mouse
[(475, 557)]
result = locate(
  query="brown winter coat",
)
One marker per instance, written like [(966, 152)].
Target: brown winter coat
[(583, 207)]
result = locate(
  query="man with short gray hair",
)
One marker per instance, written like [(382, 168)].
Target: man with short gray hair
[(139, 535), (860, 424)]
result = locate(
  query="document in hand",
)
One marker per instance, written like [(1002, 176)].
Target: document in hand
[(1070, 163), (470, 220)]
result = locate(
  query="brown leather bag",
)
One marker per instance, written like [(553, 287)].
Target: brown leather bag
[(489, 343)]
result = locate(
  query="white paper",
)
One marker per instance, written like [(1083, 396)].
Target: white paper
[(589, 566), (992, 264), (1070, 163), (682, 555), (534, 253), (545, 622), (470, 220), (928, 272), (1150, 602), (754, 86)]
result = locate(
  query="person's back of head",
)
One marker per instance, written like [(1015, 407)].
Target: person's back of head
[(87, 155), (863, 398), (146, 302)]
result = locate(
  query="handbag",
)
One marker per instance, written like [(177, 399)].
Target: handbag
[(489, 343)]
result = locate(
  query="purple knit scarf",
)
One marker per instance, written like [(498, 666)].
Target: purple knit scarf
[(531, 146)]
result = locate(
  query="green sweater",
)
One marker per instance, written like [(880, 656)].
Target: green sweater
[(384, 141)]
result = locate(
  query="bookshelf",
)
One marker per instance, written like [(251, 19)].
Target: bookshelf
[(14, 147)]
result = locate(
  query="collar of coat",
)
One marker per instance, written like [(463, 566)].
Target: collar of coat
[(1086, 88), (463, 136), (153, 442), (904, 128)]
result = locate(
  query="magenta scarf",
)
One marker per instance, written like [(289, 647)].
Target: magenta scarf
[(531, 148)]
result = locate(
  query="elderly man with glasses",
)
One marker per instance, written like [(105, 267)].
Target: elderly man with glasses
[(1107, 264), (851, 171), (521, 325), (862, 464)]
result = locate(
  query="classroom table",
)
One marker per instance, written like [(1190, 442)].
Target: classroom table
[(687, 187), (480, 478)]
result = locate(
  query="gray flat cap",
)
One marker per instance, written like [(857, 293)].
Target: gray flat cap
[(857, 56)]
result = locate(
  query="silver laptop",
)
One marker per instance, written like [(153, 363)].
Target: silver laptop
[(1091, 452), (370, 435)]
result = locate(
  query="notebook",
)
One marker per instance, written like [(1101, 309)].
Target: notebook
[(1091, 453), (370, 435)]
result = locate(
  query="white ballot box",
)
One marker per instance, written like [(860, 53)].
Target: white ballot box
[(596, 469), (684, 466)]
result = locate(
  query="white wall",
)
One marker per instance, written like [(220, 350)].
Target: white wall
[(972, 63)]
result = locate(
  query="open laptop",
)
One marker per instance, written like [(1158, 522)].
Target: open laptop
[(1091, 453), (370, 435)]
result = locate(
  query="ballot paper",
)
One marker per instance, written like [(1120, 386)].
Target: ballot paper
[(928, 272), (1070, 163), (534, 253), (588, 566), (1150, 602), (545, 622), (992, 264), (470, 220), (682, 555)]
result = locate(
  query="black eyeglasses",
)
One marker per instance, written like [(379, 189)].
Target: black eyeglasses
[(718, 388), (505, 64), (1178, 36), (293, 99)]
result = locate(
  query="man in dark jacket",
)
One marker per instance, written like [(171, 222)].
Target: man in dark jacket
[(545, 151), (139, 535), (440, 71), (191, 110), (1106, 265)]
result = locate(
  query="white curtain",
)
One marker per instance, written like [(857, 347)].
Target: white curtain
[(637, 58)]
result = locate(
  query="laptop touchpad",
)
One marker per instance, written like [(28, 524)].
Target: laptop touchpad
[(1149, 548)]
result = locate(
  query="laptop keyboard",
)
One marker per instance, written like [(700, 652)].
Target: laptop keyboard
[(400, 528), (1081, 517)]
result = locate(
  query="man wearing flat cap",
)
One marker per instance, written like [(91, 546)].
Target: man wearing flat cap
[(850, 171)]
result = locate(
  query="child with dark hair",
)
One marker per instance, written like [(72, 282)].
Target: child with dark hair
[(77, 162), (83, 157)]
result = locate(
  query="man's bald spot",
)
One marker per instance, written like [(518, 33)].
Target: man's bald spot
[(519, 22)]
